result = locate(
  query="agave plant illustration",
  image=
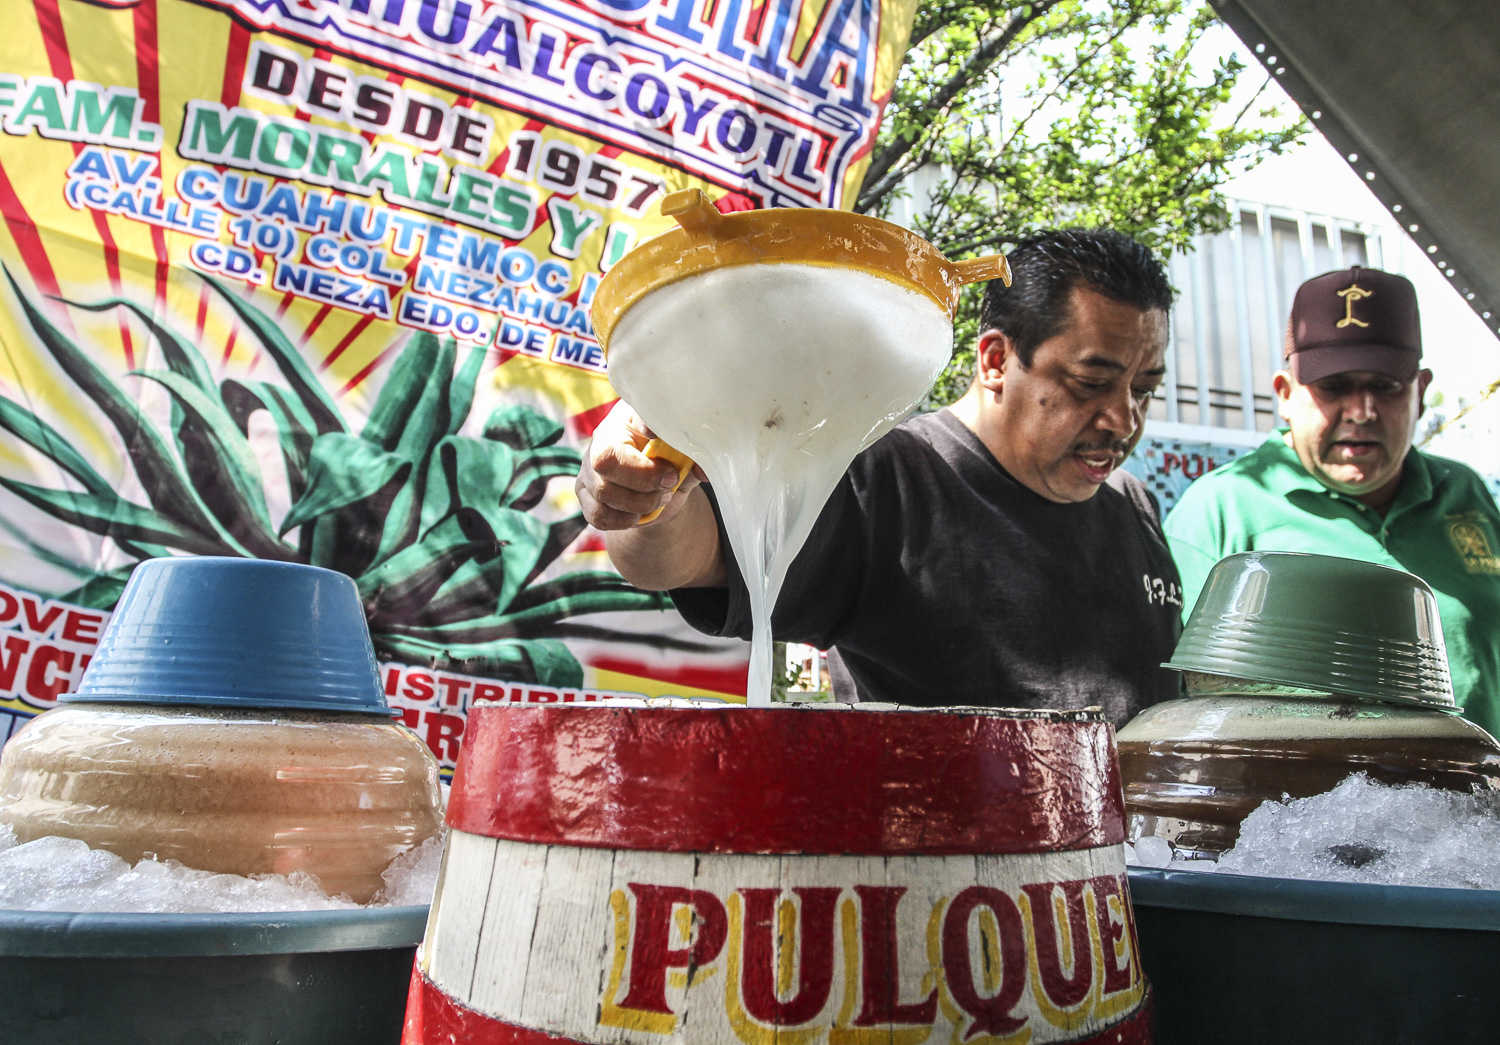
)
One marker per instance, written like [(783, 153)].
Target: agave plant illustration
[(436, 528)]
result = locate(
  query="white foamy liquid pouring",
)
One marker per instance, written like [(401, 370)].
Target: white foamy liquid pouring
[(64, 874), (1362, 831), (772, 377)]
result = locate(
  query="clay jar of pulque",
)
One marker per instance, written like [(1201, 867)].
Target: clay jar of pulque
[(232, 719), (1300, 670)]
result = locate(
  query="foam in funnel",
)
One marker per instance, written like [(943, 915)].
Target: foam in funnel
[(773, 377)]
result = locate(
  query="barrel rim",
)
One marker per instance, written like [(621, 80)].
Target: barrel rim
[(1092, 713), (789, 780), (1308, 900), (68, 934)]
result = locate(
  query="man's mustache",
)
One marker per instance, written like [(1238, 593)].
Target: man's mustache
[(1118, 447)]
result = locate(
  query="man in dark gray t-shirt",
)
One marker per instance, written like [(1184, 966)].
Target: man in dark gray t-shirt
[(987, 554)]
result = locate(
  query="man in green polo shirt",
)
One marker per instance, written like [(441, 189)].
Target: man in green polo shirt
[(1343, 478)]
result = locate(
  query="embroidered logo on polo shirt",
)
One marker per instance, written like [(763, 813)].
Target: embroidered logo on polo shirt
[(1470, 537)]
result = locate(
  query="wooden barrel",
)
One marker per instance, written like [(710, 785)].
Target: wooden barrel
[(651, 874)]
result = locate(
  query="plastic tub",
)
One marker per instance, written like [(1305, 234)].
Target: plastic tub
[(1241, 959), (292, 978)]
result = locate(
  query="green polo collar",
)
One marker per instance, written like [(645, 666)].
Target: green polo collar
[(1416, 477)]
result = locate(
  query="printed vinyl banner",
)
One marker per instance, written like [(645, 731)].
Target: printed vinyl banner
[(309, 280), (1168, 463)]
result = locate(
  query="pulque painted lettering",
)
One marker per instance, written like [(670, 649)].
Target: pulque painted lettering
[(827, 962)]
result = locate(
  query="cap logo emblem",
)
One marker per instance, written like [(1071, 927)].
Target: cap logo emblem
[(1352, 293)]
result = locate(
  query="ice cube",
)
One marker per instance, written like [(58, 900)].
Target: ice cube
[(63, 874), (47, 870), (1423, 835), (411, 878), (1151, 851)]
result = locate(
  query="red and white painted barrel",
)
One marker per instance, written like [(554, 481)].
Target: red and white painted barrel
[(795, 876)]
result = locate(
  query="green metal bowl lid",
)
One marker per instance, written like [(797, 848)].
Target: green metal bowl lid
[(1321, 625)]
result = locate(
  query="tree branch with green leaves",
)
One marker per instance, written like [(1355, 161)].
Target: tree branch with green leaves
[(1007, 119)]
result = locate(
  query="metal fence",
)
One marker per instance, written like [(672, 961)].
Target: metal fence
[(1234, 292)]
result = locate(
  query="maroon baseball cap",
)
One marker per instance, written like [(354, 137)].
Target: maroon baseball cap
[(1354, 319)]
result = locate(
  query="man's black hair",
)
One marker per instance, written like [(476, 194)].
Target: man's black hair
[(1047, 266)]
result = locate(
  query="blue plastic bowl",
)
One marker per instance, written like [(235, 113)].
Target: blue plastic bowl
[(236, 633)]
